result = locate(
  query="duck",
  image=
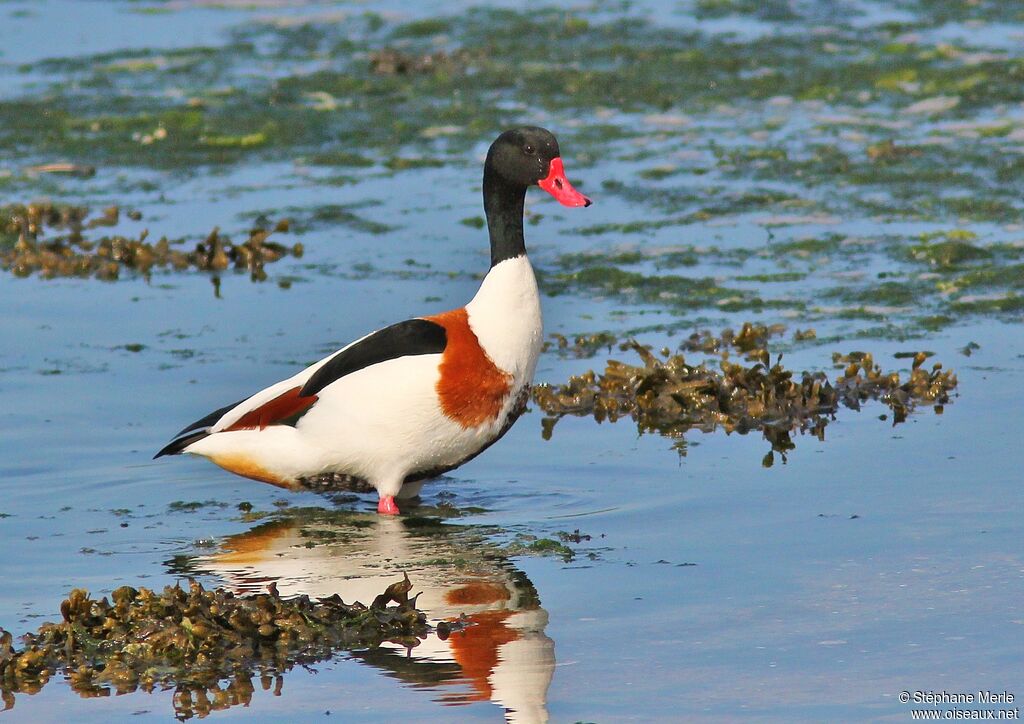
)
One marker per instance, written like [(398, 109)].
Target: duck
[(418, 398)]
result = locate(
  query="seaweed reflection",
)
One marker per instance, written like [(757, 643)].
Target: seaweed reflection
[(455, 618), (206, 644), (486, 641)]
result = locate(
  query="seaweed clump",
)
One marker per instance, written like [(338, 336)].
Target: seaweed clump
[(667, 394), (25, 248), (389, 61), (197, 640), (580, 346)]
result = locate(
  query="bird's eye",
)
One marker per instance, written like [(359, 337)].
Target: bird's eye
[(529, 150)]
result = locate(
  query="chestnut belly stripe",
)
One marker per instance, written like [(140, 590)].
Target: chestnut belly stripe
[(472, 389), (248, 468)]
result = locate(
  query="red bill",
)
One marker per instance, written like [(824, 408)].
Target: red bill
[(558, 186)]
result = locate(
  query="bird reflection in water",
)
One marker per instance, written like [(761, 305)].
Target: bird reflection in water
[(488, 642)]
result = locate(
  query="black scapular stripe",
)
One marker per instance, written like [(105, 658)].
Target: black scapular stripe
[(196, 431), (411, 337), (178, 444), (210, 419)]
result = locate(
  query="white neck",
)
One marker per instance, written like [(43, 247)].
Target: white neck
[(505, 316)]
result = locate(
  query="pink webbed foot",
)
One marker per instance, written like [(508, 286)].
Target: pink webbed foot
[(387, 506)]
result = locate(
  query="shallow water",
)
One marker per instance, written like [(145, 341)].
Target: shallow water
[(879, 560)]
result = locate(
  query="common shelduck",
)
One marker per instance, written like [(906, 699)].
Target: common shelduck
[(420, 397)]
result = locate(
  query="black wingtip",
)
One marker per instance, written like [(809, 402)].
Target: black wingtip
[(175, 447)]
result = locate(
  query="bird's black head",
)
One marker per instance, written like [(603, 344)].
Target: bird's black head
[(529, 156)]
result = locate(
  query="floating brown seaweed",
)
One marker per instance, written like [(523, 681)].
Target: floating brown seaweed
[(207, 644), (667, 394), (70, 254), (887, 151), (582, 345), (389, 61)]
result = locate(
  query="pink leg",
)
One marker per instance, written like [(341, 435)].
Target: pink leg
[(387, 506)]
